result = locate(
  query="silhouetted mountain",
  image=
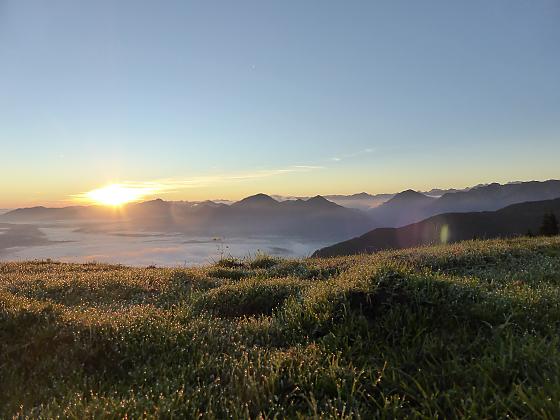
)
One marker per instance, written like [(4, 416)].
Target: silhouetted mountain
[(362, 195), (357, 196), (261, 214), (360, 201), (495, 196), (209, 203), (256, 201), (513, 220), (438, 192), (408, 197), (44, 214), (320, 202), (409, 206), (401, 208), (315, 218), (312, 218)]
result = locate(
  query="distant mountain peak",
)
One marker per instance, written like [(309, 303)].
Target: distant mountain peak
[(258, 197), (208, 204), (408, 195), (318, 198), (157, 202), (409, 192), (320, 201), (257, 200), (363, 194)]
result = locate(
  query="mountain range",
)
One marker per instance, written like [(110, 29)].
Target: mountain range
[(314, 218), (410, 206), (311, 218), (514, 220)]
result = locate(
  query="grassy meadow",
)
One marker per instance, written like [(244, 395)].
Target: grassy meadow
[(464, 330)]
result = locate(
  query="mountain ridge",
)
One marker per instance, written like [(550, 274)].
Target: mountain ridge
[(514, 220), (257, 215), (408, 207)]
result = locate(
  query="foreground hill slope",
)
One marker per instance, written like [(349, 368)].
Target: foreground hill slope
[(410, 206), (514, 220), (464, 330)]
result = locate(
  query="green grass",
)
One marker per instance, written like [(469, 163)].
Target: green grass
[(464, 330)]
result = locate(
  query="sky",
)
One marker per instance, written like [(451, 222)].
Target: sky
[(220, 99)]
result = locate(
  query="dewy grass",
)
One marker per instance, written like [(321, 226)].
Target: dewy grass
[(465, 330)]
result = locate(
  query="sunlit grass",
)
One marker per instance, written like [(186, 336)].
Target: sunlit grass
[(463, 330)]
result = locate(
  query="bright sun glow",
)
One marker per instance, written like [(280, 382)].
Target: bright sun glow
[(117, 194)]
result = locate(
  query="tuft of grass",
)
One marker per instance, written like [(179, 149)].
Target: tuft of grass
[(263, 261), (249, 297), (229, 262), (229, 273), (470, 329)]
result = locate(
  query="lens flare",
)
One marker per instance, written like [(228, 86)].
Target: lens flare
[(444, 234)]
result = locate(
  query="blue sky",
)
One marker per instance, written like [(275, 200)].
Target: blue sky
[(225, 99)]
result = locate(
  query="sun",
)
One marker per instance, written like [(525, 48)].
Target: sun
[(116, 194)]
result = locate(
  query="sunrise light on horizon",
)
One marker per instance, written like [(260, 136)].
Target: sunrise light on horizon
[(115, 195), (380, 101)]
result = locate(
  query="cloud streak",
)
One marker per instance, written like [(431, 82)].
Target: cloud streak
[(351, 155), (145, 189)]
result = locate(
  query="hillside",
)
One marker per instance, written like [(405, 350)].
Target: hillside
[(514, 220), (410, 206), (464, 330), (404, 207)]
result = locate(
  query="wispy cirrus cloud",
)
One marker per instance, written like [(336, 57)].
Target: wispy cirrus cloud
[(169, 184), (139, 190), (351, 155)]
